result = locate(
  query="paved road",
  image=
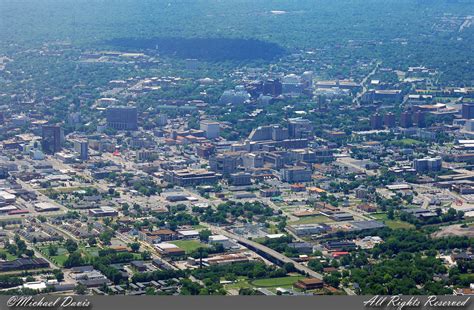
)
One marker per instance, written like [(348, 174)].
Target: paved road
[(151, 249), (63, 232), (426, 203), (266, 250), (37, 254), (363, 84), (350, 162), (241, 240)]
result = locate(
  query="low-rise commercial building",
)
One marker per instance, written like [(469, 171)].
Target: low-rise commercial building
[(189, 177)]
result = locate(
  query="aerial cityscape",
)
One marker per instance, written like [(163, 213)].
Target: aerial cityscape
[(237, 147)]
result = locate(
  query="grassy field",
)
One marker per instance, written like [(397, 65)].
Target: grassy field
[(259, 239), (276, 282), (393, 224), (397, 224), (406, 142), (242, 282), (90, 252), (189, 245), (379, 216), (59, 258), (269, 283), (8, 254), (62, 254), (311, 220), (468, 277)]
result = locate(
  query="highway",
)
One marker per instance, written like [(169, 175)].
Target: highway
[(243, 241), (278, 256)]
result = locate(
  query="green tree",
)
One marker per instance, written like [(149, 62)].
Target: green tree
[(391, 214), (150, 291), (146, 255), (71, 246), (92, 241), (332, 280), (80, 289), (58, 274), (316, 265), (135, 246), (52, 250), (73, 260), (204, 235)]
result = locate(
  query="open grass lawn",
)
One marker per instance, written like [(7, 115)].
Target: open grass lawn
[(189, 245), (288, 209), (259, 239), (284, 282), (137, 256), (444, 99), (59, 258), (311, 220), (379, 216), (272, 229), (90, 252), (242, 282), (468, 277), (63, 254), (406, 142), (393, 224), (269, 283), (397, 224), (8, 254)]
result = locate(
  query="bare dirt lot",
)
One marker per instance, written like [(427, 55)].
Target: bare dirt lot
[(454, 230)]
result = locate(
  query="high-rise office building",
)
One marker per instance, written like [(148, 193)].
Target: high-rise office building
[(122, 118), (292, 84), (376, 121), (467, 110), (296, 174), (252, 161), (162, 120), (240, 179), (321, 102), (389, 120), (225, 163), (82, 148), (261, 133), (419, 119), (469, 125), (406, 120), (299, 128), (427, 164), (52, 138), (279, 133), (211, 128), (272, 87)]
